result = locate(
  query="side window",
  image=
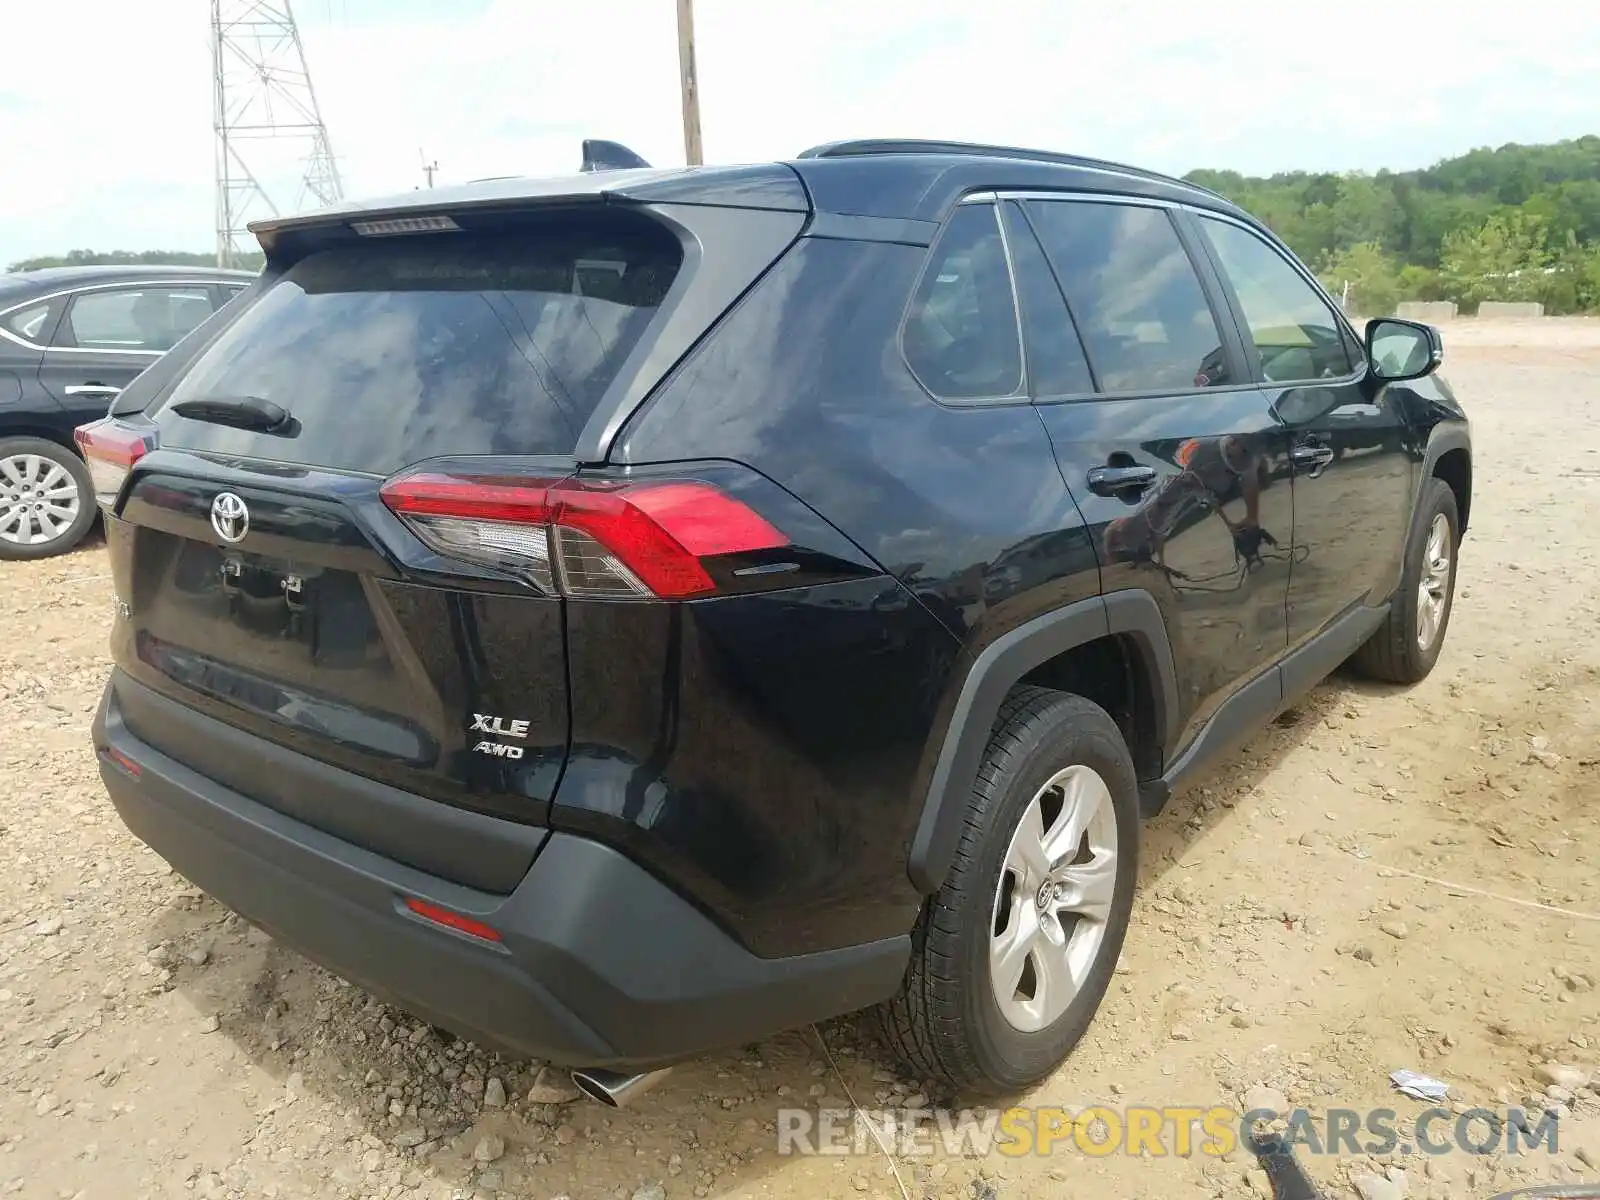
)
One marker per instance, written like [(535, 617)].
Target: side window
[(1133, 290), (30, 322), (1056, 362), (961, 333), (134, 318), (1293, 329)]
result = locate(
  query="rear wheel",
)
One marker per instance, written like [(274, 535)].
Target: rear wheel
[(1407, 644), (46, 498), (1013, 954)]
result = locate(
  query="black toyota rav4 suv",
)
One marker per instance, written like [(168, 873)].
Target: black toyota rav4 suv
[(627, 615)]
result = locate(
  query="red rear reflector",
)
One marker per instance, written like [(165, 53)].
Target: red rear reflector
[(118, 758), (642, 539), (109, 451), (452, 920)]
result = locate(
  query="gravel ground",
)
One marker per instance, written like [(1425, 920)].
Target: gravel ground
[(1311, 918)]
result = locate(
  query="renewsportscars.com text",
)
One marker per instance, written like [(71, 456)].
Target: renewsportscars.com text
[(1169, 1130)]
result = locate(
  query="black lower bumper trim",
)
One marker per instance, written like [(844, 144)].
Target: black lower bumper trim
[(600, 963)]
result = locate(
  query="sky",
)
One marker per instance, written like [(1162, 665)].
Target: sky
[(106, 138)]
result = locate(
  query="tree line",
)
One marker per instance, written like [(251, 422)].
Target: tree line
[(1512, 223), (138, 258)]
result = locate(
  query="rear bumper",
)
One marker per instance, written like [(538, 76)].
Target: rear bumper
[(600, 964)]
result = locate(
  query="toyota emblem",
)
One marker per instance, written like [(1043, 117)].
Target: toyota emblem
[(229, 517)]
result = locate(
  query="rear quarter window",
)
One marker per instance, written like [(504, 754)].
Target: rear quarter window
[(961, 337), (30, 323), (395, 350)]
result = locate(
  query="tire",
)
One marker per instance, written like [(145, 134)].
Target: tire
[(1398, 651), (947, 1023), (29, 460)]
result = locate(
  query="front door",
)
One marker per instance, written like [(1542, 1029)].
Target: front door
[(108, 336), (1178, 465), (1348, 437)]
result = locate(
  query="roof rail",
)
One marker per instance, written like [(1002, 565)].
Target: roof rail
[(867, 146)]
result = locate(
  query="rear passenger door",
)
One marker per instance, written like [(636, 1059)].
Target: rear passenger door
[(24, 331), (1348, 438), (1010, 542), (108, 336), (1178, 464)]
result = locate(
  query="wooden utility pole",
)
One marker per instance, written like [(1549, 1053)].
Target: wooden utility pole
[(689, 85)]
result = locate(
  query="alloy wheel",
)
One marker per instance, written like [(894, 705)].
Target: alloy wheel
[(39, 500), (1433, 592), (1054, 898)]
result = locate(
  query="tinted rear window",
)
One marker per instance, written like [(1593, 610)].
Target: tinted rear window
[(391, 351)]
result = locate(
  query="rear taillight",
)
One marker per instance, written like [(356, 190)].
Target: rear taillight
[(109, 450), (598, 539)]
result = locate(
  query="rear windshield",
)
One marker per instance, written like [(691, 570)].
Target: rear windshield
[(394, 350)]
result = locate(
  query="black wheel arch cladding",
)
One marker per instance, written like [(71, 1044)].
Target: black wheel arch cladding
[(991, 678)]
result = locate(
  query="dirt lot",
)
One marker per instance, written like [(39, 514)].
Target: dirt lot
[(1313, 917)]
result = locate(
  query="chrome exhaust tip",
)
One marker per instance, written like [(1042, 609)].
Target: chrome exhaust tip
[(613, 1088)]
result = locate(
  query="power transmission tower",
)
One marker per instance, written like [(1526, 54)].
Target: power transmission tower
[(264, 107)]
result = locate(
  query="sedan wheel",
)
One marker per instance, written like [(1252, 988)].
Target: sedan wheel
[(46, 498), (39, 501)]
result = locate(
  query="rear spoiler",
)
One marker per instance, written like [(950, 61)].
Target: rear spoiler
[(610, 173)]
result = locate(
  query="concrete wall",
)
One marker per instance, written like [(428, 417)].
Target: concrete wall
[(1516, 310), (1427, 311)]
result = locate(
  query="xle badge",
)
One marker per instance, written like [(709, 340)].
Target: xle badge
[(500, 727)]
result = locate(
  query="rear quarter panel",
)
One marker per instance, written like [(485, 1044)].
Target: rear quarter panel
[(838, 698)]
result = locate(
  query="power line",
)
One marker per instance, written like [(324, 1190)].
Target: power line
[(262, 92)]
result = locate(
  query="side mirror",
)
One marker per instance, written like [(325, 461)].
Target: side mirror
[(1400, 350)]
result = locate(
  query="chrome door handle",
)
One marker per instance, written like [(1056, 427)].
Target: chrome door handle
[(92, 389), (1313, 455), (1114, 481)]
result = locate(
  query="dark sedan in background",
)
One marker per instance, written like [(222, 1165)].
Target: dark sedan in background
[(71, 338)]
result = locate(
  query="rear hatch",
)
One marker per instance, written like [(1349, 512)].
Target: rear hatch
[(283, 560)]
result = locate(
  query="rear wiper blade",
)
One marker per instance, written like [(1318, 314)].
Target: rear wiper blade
[(241, 412)]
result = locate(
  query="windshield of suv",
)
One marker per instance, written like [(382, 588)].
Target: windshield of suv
[(390, 351)]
